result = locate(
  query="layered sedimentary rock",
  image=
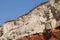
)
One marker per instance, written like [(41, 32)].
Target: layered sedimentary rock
[(41, 23)]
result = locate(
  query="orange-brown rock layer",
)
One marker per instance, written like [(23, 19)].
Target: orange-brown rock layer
[(53, 34), (34, 37)]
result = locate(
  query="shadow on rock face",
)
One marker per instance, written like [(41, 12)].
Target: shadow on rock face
[(55, 14), (56, 1)]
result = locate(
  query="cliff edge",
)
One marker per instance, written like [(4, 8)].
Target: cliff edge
[(41, 23)]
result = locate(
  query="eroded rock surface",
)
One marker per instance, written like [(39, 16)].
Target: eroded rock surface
[(39, 24)]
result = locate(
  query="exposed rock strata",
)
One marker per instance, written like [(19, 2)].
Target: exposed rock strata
[(51, 35), (35, 24)]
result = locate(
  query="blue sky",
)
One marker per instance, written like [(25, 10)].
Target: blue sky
[(11, 9)]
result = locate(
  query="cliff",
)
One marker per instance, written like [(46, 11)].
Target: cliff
[(41, 23)]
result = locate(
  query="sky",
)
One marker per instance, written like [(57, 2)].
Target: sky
[(11, 9)]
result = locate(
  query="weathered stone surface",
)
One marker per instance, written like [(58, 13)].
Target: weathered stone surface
[(39, 20), (55, 33)]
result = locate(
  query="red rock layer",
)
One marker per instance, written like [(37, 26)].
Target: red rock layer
[(34, 37), (53, 34)]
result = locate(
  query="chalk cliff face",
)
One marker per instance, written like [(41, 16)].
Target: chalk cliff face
[(41, 23)]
